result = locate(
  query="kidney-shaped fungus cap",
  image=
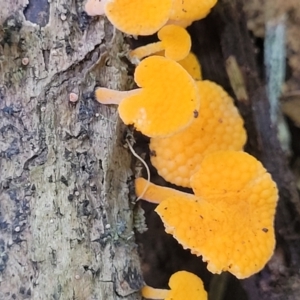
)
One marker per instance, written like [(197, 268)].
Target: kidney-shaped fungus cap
[(230, 219), (174, 39), (168, 99), (191, 10), (138, 17), (218, 127), (183, 285)]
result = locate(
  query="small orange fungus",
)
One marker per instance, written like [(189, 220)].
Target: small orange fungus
[(218, 127), (136, 17), (229, 221), (174, 39), (183, 285), (165, 103)]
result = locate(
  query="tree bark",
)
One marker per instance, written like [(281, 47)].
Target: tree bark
[(66, 229)]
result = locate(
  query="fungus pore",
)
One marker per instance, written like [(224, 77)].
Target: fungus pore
[(218, 127)]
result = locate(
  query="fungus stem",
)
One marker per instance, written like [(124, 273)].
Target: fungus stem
[(147, 50), (108, 96), (152, 293), (154, 193)]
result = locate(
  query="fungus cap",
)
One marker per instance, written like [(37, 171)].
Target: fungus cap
[(138, 17), (183, 285), (230, 220), (186, 285), (230, 224), (191, 9), (174, 39), (190, 63), (218, 127), (167, 101)]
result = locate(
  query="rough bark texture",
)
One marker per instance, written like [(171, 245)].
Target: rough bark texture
[(65, 215)]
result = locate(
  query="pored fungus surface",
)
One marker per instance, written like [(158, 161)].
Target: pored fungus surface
[(138, 17), (218, 127), (167, 101), (229, 222)]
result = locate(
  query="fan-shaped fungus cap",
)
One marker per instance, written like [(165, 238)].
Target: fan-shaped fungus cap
[(190, 10), (174, 39), (183, 285), (218, 127), (138, 17), (229, 221), (166, 102)]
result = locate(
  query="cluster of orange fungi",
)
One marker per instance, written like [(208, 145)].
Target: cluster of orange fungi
[(196, 140)]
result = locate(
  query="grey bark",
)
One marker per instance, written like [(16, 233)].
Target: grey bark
[(66, 229)]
